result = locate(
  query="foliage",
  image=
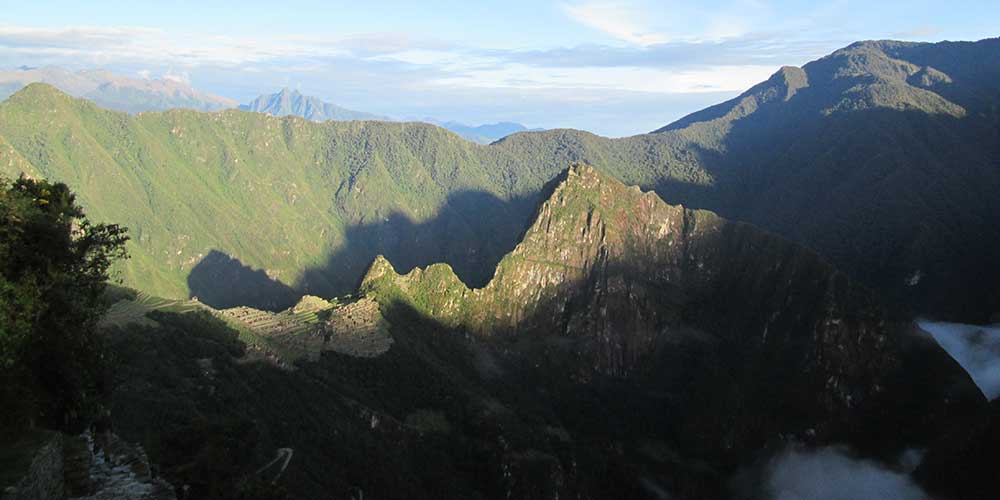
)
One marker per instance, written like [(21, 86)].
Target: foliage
[(53, 271)]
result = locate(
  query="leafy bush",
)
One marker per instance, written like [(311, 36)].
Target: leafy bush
[(53, 271)]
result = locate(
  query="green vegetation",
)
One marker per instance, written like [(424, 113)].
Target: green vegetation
[(53, 270), (16, 454), (134, 308), (311, 204)]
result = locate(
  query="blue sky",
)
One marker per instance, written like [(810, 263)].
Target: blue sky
[(615, 67)]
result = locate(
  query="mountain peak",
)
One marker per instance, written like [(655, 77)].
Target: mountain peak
[(289, 101), (34, 89), (606, 276), (581, 170), (118, 92), (36, 93)]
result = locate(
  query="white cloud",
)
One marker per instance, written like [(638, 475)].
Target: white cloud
[(71, 37), (919, 32), (616, 18), (831, 474), (976, 348), (637, 79), (179, 76), (398, 73)]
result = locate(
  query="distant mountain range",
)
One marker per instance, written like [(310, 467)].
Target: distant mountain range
[(290, 102), (135, 95), (483, 134), (114, 91)]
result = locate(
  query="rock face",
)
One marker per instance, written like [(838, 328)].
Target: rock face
[(74, 468), (757, 336)]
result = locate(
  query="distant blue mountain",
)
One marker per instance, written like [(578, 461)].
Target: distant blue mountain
[(291, 102), (486, 133)]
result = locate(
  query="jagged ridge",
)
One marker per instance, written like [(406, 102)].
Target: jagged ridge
[(638, 288)]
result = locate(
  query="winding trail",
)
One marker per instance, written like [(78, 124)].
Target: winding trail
[(285, 453)]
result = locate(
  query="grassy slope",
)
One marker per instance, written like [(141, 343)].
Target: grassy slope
[(277, 193)]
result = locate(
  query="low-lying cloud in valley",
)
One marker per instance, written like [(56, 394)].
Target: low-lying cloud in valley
[(833, 474), (976, 348)]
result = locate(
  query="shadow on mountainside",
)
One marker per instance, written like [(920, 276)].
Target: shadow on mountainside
[(901, 199), (709, 395), (221, 281), (471, 232), (444, 414)]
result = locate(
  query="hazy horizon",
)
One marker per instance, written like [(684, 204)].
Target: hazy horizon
[(614, 68)]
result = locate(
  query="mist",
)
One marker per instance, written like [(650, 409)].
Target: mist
[(976, 348), (833, 474)]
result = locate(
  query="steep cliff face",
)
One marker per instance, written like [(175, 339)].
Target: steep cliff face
[(756, 335)]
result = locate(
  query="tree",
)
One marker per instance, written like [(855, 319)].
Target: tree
[(54, 267)]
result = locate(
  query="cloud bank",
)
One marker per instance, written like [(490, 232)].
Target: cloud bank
[(976, 348), (832, 474), (652, 61)]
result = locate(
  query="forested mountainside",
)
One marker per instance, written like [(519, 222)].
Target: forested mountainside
[(308, 205), (626, 347), (882, 157)]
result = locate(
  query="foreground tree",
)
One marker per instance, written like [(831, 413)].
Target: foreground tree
[(54, 266)]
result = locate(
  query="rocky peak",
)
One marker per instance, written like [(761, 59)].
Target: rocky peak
[(631, 287)]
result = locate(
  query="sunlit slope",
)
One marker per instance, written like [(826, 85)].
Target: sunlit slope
[(282, 194)]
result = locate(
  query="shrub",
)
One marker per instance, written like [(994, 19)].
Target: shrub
[(53, 273)]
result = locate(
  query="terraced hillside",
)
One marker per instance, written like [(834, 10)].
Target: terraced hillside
[(134, 310), (350, 326), (882, 156)]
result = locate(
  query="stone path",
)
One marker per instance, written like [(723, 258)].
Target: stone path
[(117, 470)]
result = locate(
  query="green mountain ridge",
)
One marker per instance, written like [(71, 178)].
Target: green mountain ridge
[(882, 157), (279, 194)]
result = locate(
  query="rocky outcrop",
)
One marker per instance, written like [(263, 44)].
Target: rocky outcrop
[(82, 467), (117, 470)]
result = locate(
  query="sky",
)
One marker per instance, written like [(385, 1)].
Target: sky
[(614, 67)]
